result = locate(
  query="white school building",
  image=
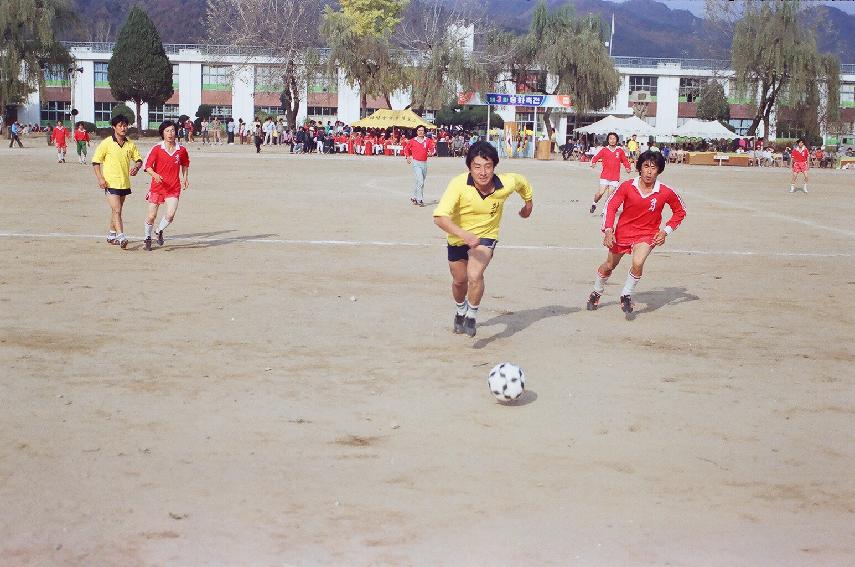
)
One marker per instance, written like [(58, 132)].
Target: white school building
[(240, 87)]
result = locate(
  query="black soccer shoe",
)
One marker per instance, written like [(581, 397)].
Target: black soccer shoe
[(593, 208), (593, 301), (160, 238), (469, 326), (148, 244), (458, 324), (123, 243), (626, 304)]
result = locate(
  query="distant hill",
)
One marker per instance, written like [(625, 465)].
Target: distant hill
[(642, 27)]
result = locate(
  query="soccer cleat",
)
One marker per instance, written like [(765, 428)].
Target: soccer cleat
[(123, 243), (458, 324), (469, 326), (413, 201), (148, 244), (792, 189), (422, 203), (805, 189), (593, 301), (593, 208), (626, 304), (160, 238)]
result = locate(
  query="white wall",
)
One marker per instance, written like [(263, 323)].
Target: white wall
[(84, 91), (189, 87), (243, 87), (348, 101)]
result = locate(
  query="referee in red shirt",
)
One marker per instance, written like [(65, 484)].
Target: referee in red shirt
[(417, 151)]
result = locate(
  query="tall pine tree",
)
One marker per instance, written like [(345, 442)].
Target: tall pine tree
[(139, 69)]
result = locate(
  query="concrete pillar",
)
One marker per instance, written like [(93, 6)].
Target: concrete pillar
[(243, 87)]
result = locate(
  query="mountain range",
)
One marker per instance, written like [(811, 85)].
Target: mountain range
[(645, 28)]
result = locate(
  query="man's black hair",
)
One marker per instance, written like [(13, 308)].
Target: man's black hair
[(617, 138), (164, 125), (484, 150), (118, 119), (650, 155), (800, 140)]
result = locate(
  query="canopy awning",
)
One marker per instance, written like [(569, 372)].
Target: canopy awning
[(384, 118)]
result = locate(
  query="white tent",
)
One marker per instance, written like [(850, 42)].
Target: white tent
[(706, 129), (621, 126)]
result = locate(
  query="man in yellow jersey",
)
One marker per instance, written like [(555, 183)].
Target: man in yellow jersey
[(632, 146), (470, 211), (112, 161)]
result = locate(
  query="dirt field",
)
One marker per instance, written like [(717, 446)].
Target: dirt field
[(223, 401)]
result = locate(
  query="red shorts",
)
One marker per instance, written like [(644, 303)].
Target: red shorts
[(160, 197), (800, 166), (626, 247)]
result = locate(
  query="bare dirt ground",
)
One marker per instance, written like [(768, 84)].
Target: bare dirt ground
[(222, 401)]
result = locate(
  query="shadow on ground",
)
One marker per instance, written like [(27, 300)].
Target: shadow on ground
[(516, 321)]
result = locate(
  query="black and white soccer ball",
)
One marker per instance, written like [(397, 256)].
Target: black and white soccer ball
[(506, 381)]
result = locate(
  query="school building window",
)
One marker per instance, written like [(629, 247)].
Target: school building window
[(103, 110), (643, 83), (56, 76), (221, 111), (268, 79), (101, 75), (847, 95), (322, 111), (269, 110), (322, 83), (690, 88), (740, 127), (216, 78), (157, 113), (54, 110), (175, 76)]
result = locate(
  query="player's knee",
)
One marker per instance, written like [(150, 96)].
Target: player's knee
[(169, 218)]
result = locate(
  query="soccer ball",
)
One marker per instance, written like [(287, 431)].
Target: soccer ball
[(506, 381)]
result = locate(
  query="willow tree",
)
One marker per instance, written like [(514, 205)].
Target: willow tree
[(775, 56), (442, 34), (28, 29), (359, 39), (282, 32), (571, 57)]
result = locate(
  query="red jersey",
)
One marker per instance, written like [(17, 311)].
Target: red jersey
[(59, 136), (168, 166), (81, 136), (801, 154), (641, 215), (612, 161), (419, 150)]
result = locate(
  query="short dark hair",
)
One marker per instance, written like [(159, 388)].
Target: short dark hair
[(800, 140), (617, 138), (119, 119), (484, 150), (651, 155), (164, 125)]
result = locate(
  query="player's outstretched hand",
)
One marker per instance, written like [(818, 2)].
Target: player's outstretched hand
[(609, 239), (525, 212), (659, 239)]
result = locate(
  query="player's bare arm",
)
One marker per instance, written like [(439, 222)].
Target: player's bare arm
[(154, 175), (525, 212), (102, 183)]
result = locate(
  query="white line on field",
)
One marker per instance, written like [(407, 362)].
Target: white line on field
[(771, 214), (383, 243)]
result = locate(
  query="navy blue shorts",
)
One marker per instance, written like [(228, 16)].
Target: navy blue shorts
[(461, 252), (124, 192)]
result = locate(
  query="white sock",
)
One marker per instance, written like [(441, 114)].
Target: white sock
[(163, 224), (461, 307), (111, 235), (629, 285), (472, 312), (805, 188), (148, 228), (121, 236), (792, 188), (600, 282)]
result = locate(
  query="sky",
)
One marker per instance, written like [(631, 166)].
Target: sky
[(697, 6)]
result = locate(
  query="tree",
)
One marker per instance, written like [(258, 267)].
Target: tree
[(28, 29), (139, 69), (361, 48), (282, 31), (775, 56), (469, 117), (712, 104), (204, 111), (569, 56), (125, 111)]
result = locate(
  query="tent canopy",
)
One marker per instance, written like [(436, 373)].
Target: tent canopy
[(707, 129), (621, 126), (387, 118)]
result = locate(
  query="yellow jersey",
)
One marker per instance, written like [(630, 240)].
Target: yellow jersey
[(473, 212), (632, 146), (115, 161)]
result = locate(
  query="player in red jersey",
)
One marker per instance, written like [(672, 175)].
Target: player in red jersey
[(164, 163), (59, 137), (801, 164), (637, 232), (81, 137), (612, 158)]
